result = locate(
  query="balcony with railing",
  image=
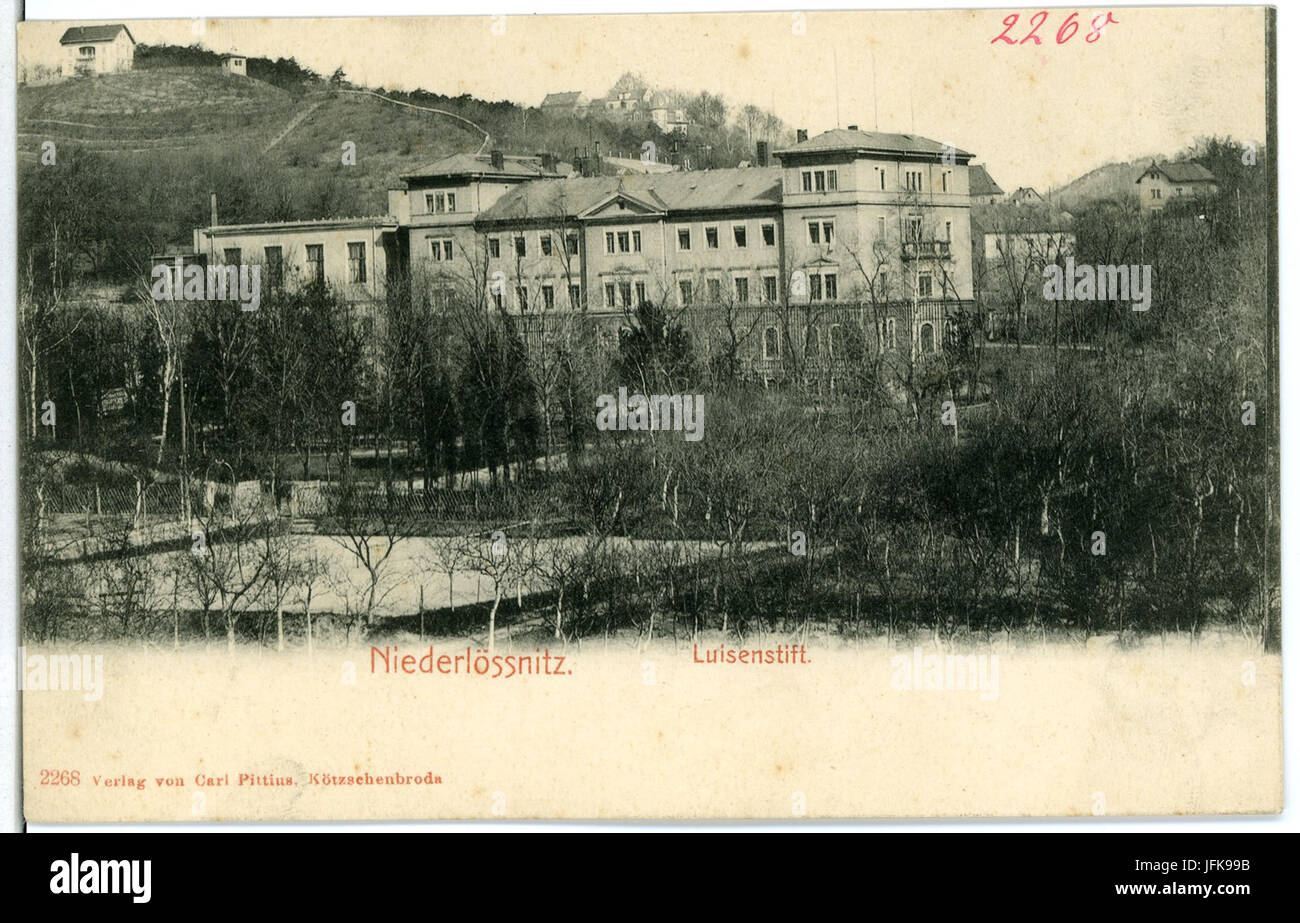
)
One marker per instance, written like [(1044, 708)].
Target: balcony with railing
[(927, 250)]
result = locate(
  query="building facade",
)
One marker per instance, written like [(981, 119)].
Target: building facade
[(1161, 184), (861, 228), (89, 50)]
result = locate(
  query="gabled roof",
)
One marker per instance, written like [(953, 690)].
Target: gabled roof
[(701, 190), (79, 35), (562, 99), (1182, 172), (481, 165), (981, 183), (1020, 219), (871, 142)]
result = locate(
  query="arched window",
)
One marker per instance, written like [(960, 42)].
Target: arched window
[(771, 344), (927, 338)]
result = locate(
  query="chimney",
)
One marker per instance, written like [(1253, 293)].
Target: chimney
[(800, 135), (214, 209), (498, 160), (853, 128), (761, 153)]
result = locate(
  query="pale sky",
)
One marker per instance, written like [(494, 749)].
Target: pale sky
[(1036, 115)]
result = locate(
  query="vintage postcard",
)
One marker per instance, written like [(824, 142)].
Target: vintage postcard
[(747, 415)]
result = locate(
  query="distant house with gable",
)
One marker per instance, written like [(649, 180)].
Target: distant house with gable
[(91, 50), (983, 190), (1026, 195), (1159, 183), (572, 102)]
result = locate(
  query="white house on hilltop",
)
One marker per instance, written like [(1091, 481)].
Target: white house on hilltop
[(97, 50)]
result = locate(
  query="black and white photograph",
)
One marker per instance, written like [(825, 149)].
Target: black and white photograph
[(764, 415)]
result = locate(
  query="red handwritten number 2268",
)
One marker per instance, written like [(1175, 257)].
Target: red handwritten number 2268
[(1066, 32)]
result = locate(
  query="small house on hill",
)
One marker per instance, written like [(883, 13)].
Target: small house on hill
[(1159, 183), (97, 50), (235, 65)]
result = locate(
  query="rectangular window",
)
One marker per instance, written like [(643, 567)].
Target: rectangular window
[(609, 241), (316, 263), (498, 299), (828, 232), (636, 241), (914, 180), (807, 181), (814, 288), (914, 228), (622, 242), (711, 238), (924, 285), (769, 235), (575, 296), (943, 180), (880, 229), (357, 263), (571, 241), (609, 294), (715, 291), (625, 294), (832, 180), (740, 235), (742, 291), (546, 245), (947, 231), (819, 181), (814, 232), (686, 291), (441, 250), (548, 297), (830, 286), (683, 238), (640, 293), (521, 246), (451, 201), (274, 267), (882, 178), (429, 202), (231, 256), (769, 288), (494, 248)]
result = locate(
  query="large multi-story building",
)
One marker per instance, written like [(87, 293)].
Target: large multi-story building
[(858, 227)]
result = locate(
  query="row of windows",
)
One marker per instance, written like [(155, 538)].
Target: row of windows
[(273, 260), (739, 236), (547, 242), (828, 180), (437, 203), (886, 338), (820, 232)]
